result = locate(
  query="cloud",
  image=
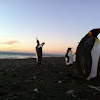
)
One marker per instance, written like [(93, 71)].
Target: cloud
[(11, 42)]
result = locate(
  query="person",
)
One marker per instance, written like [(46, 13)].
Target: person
[(69, 57), (39, 51)]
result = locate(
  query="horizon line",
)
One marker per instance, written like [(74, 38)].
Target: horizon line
[(30, 52)]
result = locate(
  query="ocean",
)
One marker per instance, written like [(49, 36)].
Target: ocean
[(16, 55), (19, 55)]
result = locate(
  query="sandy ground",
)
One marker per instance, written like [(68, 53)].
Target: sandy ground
[(22, 79)]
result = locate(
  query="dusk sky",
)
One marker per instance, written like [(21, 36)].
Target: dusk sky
[(58, 23)]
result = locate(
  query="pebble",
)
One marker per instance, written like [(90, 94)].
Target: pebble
[(59, 82), (70, 92), (34, 77), (36, 90)]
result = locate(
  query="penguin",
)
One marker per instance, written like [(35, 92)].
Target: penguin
[(39, 51), (69, 57), (88, 54)]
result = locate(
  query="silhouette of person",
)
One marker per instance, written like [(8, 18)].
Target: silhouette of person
[(39, 51), (69, 57)]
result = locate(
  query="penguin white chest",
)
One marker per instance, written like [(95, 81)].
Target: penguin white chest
[(70, 54)]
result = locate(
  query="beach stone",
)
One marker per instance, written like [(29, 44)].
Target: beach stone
[(12, 69), (70, 92), (28, 81), (36, 90), (59, 82), (34, 77)]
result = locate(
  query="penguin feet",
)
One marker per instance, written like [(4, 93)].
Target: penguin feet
[(88, 78), (69, 63)]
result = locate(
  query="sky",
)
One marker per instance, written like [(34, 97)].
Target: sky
[(58, 23)]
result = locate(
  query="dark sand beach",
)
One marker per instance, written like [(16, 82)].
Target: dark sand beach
[(22, 79)]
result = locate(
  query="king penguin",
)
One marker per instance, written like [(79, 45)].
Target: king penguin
[(69, 57), (39, 51), (87, 55)]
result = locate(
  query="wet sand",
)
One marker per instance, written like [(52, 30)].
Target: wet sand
[(22, 79)]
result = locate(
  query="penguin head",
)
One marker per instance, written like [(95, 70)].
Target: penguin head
[(43, 43), (94, 32), (69, 48)]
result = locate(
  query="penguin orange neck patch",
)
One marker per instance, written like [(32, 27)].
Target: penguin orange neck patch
[(70, 50), (90, 33)]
